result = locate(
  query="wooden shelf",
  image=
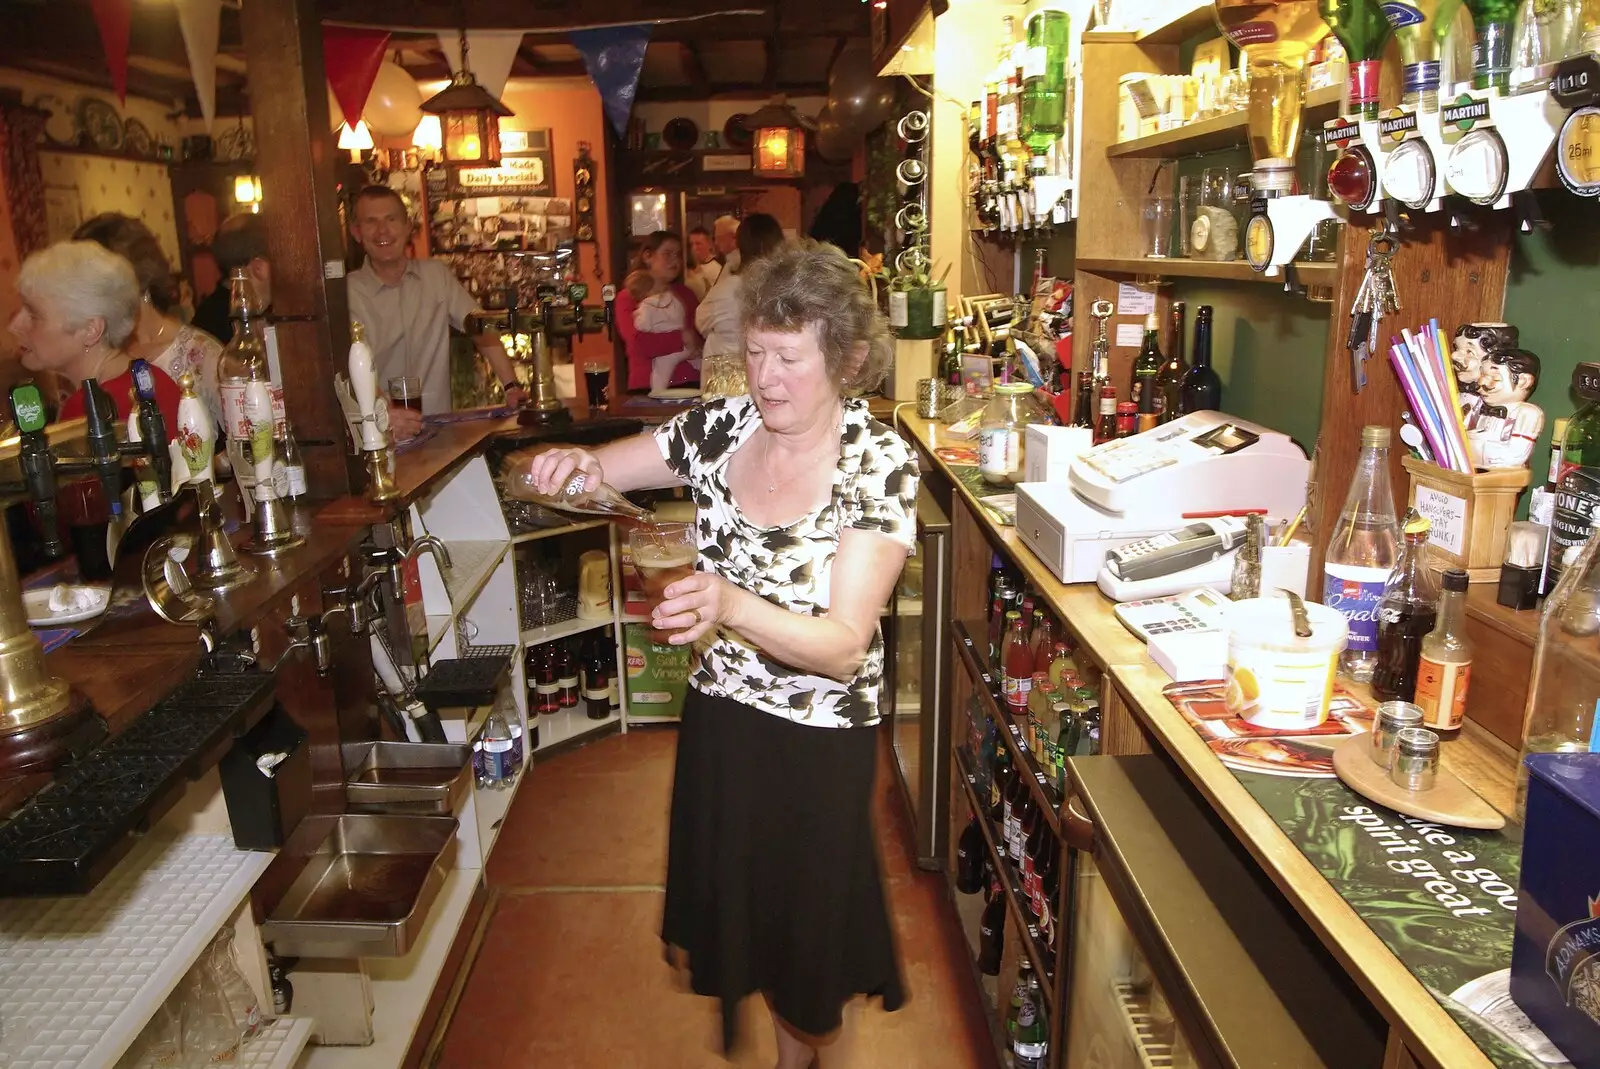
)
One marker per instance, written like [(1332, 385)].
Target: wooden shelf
[(1038, 953), (1179, 27), (983, 687), (1224, 131), (1232, 270)]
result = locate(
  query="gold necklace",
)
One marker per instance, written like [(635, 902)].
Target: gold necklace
[(766, 462)]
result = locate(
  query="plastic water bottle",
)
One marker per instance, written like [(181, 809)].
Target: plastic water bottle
[(1362, 553), (499, 769)]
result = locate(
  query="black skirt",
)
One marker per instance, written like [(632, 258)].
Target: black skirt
[(773, 882)]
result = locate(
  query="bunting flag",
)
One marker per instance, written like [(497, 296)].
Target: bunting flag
[(490, 53), (352, 58), (115, 20), (614, 56), (201, 21)]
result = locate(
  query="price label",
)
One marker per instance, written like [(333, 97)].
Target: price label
[(1576, 82), (1040, 777)]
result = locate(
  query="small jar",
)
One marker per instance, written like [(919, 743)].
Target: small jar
[(1393, 718), (1000, 433), (1416, 759)]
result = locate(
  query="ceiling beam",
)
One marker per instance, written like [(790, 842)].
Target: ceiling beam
[(744, 90), (838, 50), (774, 50), (847, 17), (694, 67)]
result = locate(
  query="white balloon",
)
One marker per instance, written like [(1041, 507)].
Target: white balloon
[(394, 107)]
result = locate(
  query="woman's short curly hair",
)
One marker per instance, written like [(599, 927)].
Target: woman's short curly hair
[(807, 282)]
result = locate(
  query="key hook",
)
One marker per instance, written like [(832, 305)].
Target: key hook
[(1383, 243)]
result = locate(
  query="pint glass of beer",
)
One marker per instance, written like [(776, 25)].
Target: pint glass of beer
[(663, 553)]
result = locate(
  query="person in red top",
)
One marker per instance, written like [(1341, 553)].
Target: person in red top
[(655, 315), (80, 303)]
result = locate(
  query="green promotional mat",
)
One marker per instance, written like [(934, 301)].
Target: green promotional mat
[(1442, 899)]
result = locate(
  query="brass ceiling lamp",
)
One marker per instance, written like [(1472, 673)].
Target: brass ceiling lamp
[(469, 117)]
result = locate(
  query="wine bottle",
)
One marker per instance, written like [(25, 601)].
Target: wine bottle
[(1202, 388), (1146, 368), (1169, 381)]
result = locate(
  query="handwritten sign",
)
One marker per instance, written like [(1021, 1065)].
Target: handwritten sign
[(1448, 514)]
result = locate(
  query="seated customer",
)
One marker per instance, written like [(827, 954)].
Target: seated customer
[(79, 307), (158, 337)]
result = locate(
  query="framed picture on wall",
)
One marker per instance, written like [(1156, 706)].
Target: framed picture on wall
[(63, 211)]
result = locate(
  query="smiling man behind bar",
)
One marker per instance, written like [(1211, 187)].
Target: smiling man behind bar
[(408, 307)]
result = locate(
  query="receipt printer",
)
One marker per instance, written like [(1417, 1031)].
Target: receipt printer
[(1202, 464)]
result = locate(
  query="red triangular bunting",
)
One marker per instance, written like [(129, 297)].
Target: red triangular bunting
[(352, 58)]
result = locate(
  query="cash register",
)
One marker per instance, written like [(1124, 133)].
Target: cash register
[(1201, 465)]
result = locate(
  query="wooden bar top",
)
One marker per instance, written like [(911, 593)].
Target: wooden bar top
[(1480, 759)]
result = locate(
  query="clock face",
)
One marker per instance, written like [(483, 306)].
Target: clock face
[(1578, 152), (1258, 242)]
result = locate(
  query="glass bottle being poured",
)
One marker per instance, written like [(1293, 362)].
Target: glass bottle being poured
[(601, 499)]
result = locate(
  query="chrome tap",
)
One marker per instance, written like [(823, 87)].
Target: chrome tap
[(309, 634), (355, 602), (430, 544)]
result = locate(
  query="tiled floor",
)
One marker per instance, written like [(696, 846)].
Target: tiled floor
[(571, 972)]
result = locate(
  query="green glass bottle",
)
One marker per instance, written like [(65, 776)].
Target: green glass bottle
[(1363, 29), (1044, 81), (1491, 48), (1419, 27), (1145, 393)]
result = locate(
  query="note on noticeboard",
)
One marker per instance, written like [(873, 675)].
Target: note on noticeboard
[(1130, 335), (1133, 301)]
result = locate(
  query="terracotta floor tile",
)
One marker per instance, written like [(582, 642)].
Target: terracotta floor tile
[(572, 979)]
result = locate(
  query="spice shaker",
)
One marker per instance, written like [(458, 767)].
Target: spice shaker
[(1416, 759), (1392, 718)]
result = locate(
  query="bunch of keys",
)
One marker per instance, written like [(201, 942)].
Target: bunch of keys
[(1375, 299)]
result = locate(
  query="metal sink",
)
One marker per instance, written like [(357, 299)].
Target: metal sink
[(419, 778), (367, 890)]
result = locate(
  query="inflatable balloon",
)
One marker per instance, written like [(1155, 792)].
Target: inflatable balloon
[(857, 97), (832, 141), (394, 107)]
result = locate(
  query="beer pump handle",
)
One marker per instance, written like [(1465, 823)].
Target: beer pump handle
[(153, 428), (100, 414), (38, 465), (258, 412), (608, 293), (364, 384)]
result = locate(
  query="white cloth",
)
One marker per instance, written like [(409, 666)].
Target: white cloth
[(408, 324), (717, 318), (661, 313), (702, 278)]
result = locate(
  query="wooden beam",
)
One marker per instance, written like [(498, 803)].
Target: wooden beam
[(695, 68), (814, 18), (743, 90), (774, 52), (838, 50)]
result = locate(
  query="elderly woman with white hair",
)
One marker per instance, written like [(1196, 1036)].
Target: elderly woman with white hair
[(80, 303)]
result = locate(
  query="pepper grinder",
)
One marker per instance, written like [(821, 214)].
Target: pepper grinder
[(216, 565), (274, 533), (374, 440)]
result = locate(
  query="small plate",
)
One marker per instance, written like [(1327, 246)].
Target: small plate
[(138, 141), (100, 123), (36, 603), (675, 393)]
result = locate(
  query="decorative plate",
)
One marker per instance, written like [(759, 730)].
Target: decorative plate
[(734, 133), (138, 139), (60, 128), (681, 134), (100, 124)]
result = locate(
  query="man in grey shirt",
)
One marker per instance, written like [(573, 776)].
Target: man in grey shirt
[(408, 307)]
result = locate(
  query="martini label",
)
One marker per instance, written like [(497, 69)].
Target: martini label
[(1396, 125), (1464, 114), (1336, 133)]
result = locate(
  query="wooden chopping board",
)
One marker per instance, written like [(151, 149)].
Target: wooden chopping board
[(1450, 801)]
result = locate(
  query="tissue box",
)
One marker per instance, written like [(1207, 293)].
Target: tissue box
[(1047, 452), (1555, 954)]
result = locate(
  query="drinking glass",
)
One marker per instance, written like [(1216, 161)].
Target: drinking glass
[(1156, 225), (1188, 203), (406, 390), (1216, 187), (663, 553), (596, 377)]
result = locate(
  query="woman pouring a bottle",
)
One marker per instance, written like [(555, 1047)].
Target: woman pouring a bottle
[(805, 520)]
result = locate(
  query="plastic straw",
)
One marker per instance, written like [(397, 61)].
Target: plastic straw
[(1449, 377), (1433, 379), (1421, 405)]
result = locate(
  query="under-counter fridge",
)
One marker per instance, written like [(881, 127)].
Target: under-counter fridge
[(917, 683)]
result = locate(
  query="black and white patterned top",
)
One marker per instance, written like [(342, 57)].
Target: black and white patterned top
[(874, 489)]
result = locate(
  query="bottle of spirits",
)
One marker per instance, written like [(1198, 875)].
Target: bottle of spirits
[(294, 464), (1008, 115), (1406, 613), (1106, 429), (1169, 381), (1578, 486), (1445, 668), (1362, 553), (1493, 22), (1146, 370), (1418, 27), (1044, 81), (1202, 389), (1363, 29), (243, 361), (1276, 38)]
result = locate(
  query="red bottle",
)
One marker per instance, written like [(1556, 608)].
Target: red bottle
[(547, 684), (566, 677), (1016, 665), (1043, 640)]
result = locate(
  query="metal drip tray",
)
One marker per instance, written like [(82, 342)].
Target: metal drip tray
[(367, 890), (406, 777)]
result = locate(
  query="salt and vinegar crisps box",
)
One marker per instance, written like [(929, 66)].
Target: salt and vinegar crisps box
[(658, 676)]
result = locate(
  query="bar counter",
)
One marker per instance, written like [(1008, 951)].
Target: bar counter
[(1138, 718)]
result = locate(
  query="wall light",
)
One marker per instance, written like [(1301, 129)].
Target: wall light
[(355, 141)]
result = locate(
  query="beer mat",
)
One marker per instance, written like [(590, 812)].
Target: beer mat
[(53, 638), (411, 443), (960, 455), (1245, 747), (467, 415)]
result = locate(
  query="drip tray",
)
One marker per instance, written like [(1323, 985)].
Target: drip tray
[(367, 890), (406, 777)]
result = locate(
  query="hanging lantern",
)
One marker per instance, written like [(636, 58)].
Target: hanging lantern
[(779, 143), (469, 118)]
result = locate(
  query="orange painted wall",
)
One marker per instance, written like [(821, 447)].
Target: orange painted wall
[(570, 109)]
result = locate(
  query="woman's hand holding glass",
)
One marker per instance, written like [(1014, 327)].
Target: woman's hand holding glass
[(694, 606), (552, 470)]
